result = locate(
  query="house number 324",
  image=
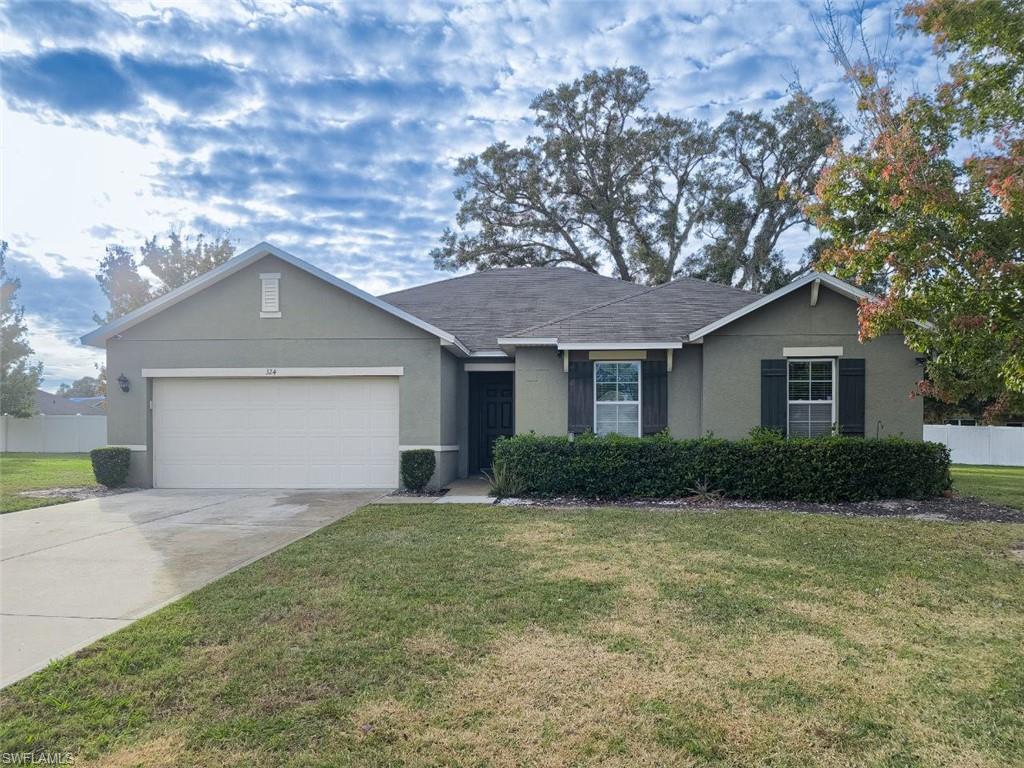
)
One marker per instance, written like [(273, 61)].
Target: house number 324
[(271, 371)]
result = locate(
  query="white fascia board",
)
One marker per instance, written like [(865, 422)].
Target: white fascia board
[(269, 373), (98, 337), (851, 292), (527, 341), (598, 346), (488, 353)]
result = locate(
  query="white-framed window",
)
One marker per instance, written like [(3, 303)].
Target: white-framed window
[(811, 403), (270, 294), (617, 398)]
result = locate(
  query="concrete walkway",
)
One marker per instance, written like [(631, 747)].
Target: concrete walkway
[(72, 573)]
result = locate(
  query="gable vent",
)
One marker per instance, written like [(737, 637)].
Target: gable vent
[(270, 294)]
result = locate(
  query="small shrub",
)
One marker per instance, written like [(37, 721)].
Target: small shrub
[(505, 481), (764, 467), (417, 468), (110, 465)]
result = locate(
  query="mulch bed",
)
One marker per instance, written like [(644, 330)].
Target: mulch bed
[(426, 493), (950, 509)]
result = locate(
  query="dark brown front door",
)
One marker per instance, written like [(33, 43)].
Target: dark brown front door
[(490, 415)]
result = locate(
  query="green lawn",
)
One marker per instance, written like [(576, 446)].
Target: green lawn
[(998, 485), (37, 471), (435, 635)]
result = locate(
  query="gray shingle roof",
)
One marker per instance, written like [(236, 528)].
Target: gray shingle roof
[(668, 312), (570, 304), (481, 307), (50, 404)]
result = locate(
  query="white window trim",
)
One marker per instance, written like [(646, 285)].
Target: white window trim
[(812, 352), (835, 377), (267, 373), (639, 394)]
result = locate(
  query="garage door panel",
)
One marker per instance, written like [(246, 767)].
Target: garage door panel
[(275, 433)]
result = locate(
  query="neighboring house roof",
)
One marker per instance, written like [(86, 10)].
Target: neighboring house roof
[(49, 404), (666, 313), (99, 337), (481, 307), (96, 402)]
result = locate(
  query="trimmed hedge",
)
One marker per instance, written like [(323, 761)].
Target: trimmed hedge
[(110, 465), (417, 467), (764, 467)]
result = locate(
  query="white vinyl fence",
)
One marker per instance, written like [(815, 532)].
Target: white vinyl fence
[(52, 434), (980, 445)]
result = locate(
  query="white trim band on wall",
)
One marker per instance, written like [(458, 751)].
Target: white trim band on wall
[(812, 351), (271, 372), (489, 367), (130, 447), (599, 346), (438, 448)]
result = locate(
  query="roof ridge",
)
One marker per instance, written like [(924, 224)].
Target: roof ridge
[(591, 308), (497, 270)]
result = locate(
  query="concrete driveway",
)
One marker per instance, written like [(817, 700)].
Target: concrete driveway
[(72, 573)]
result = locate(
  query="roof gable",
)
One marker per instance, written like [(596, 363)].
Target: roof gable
[(100, 336), (844, 289)]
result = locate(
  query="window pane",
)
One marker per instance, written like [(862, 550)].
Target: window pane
[(615, 418), (606, 391), (799, 369), (605, 371), (799, 390), (798, 429), (821, 390), (821, 369), (629, 391), (629, 372), (605, 421), (629, 420)]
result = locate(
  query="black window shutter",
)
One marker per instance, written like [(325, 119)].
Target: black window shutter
[(773, 394), (654, 382), (581, 396), (851, 396)]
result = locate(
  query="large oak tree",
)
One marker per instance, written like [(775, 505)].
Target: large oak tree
[(607, 184)]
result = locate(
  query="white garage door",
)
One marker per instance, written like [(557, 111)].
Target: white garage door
[(275, 433)]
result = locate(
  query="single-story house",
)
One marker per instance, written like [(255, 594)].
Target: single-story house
[(270, 372), (49, 404)]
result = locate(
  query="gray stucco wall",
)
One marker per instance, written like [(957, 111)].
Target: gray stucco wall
[(220, 327), (731, 390), (684, 393), (541, 392)]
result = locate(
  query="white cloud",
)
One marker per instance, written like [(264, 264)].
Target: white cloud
[(64, 358)]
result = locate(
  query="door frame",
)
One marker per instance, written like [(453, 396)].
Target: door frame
[(477, 381)]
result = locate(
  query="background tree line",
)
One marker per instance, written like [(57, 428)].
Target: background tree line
[(608, 184)]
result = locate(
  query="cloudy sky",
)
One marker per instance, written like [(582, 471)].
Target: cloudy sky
[(330, 129)]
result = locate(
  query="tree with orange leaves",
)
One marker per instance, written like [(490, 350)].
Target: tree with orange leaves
[(930, 203)]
